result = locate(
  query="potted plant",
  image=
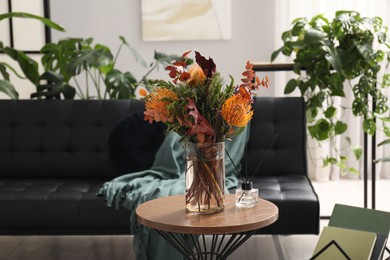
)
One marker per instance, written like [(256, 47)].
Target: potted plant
[(328, 54), (66, 60), (69, 58)]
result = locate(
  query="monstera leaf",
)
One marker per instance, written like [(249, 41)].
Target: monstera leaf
[(57, 56), (54, 87), (120, 85), (99, 57)]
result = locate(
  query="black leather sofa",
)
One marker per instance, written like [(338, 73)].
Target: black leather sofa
[(54, 157)]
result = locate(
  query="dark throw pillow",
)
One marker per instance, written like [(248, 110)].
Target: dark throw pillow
[(133, 143)]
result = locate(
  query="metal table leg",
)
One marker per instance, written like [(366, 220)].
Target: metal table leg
[(195, 246)]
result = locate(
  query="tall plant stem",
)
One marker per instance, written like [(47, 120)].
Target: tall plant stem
[(80, 92), (87, 85), (117, 53)]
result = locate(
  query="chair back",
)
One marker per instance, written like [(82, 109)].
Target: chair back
[(282, 118)]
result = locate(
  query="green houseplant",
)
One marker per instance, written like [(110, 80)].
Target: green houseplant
[(329, 53), (71, 59), (68, 59)]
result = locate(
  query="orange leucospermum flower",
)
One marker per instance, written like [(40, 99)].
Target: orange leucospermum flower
[(156, 105), (197, 77), (237, 111)]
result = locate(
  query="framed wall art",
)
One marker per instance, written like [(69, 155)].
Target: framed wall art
[(175, 20)]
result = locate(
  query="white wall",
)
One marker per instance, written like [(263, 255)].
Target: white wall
[(252, 33)]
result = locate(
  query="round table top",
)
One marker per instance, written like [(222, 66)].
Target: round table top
[(169, 214)]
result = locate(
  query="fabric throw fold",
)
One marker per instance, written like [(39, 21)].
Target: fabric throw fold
[(166, 177)]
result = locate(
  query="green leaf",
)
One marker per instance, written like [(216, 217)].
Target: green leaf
[(7, 88), (120, 85), (57, 56), (5, 74), (353, 170), (3, 70), (357, 151), (138, 58), (311, 114), (54, 88), (329, 160), (275, 54), (340, 127), (297, 68), (297, 28), (386, 130), (330, 112), (286, 36), (384, 119), (319, 18), (163, 58), (386, 80), (348, 140), (90, 58), (290, 87), (333, 58), (44, 20), (369, 126), (336, 81), (387, 141), (342, 167), (28, 65), (105, 61), (287, 49), (359, 106), (321, 130), (317, 100), (313, 36)]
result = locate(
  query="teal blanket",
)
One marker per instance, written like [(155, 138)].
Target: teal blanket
[(166, 177)]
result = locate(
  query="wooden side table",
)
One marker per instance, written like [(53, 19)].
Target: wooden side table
[(169, 218)]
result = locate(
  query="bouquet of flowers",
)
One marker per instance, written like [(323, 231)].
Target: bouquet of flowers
[(202, 109), (197, 105)]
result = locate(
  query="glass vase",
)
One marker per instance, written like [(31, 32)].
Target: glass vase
[(205, 177)]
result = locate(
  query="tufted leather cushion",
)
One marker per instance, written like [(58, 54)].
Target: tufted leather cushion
[(284, 118), (296, 200), (58, 206), (280, 173), (59, 138)]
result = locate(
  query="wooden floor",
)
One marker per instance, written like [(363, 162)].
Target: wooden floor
[(257, 247)]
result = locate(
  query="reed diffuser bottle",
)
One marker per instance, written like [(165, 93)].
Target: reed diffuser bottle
[(247, 196)]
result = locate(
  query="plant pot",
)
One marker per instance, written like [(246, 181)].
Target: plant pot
[(205, 177)]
